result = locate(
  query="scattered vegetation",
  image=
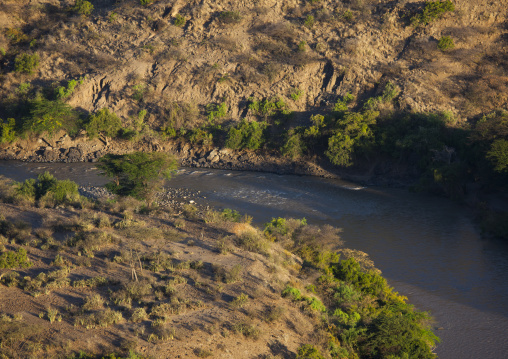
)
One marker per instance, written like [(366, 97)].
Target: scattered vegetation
[(26, 63), (445, 43), (433, 10)]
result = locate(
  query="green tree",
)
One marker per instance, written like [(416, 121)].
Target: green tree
[(26, 63), (50, 116), (104, 122), (83, 7), (138, 174), (7, 132), (498, 155)]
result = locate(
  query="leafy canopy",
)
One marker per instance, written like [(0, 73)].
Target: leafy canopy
[(138, 174)]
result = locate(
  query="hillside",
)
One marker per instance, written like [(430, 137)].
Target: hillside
[(195, 53), (113, 276)]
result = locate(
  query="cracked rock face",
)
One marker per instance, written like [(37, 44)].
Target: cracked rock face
[(142, 60)]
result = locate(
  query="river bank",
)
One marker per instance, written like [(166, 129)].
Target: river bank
[(66, 149)]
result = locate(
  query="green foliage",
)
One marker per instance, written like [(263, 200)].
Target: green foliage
[(302, 46), (246, 135), (433, 10), (50, 117), (268, 107), (445, 43), (105, 122), (296, 94), (216, 112), (179, 20), (48, 190), (347, 15), (292, 292), (138, 174), (7, 130), (83, 7), (200, 136), (309, 21), (138, 92), (342, 105), (231, 215), (16, 259), (498, 155), (308, 351), (62, 92), (353, 132), (277, 225), (145, 2), (16, 36), (398, 331), (230, 17), (294, 146), (26, 63)]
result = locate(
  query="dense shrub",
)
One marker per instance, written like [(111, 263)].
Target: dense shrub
[(445, 43), (246, 135), (433, 10), (105, 122), (7, 130), (293, 146), (216, 112), (49, 117), (26, 63), (352, 134), (179, 20), (16, 259), (138, 174), (48, 190), (83, 7), (498, 155)]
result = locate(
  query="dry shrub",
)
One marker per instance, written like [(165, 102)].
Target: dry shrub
[(222, 274), (247, 330), (93, 302), (283, 30), (227, 43)]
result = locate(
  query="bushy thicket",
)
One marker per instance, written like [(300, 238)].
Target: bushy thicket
[(364, 317), (48, 191)]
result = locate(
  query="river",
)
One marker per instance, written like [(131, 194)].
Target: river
[(427, 247)]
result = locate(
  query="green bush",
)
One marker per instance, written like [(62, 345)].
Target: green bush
[(433, 10), (309, 21), (62, 92), (216, 112), (16, 259), (498, 155), (445, 43), (83, 7), (138, 174), (49, 117), (48, 190), (230, 17), (293, 146), (246, 135), (105, 122), (268, 107), (145, 2), (179, 20), (308, 351), (353, 133), (26, 63), (200, 136), (7, 130)]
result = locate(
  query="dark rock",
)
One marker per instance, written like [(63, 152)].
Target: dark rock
[(74, 155)]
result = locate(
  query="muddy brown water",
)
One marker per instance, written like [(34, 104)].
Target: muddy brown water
[(427, 247)]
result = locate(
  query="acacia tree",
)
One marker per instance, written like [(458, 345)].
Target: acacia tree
[(138, 174)]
